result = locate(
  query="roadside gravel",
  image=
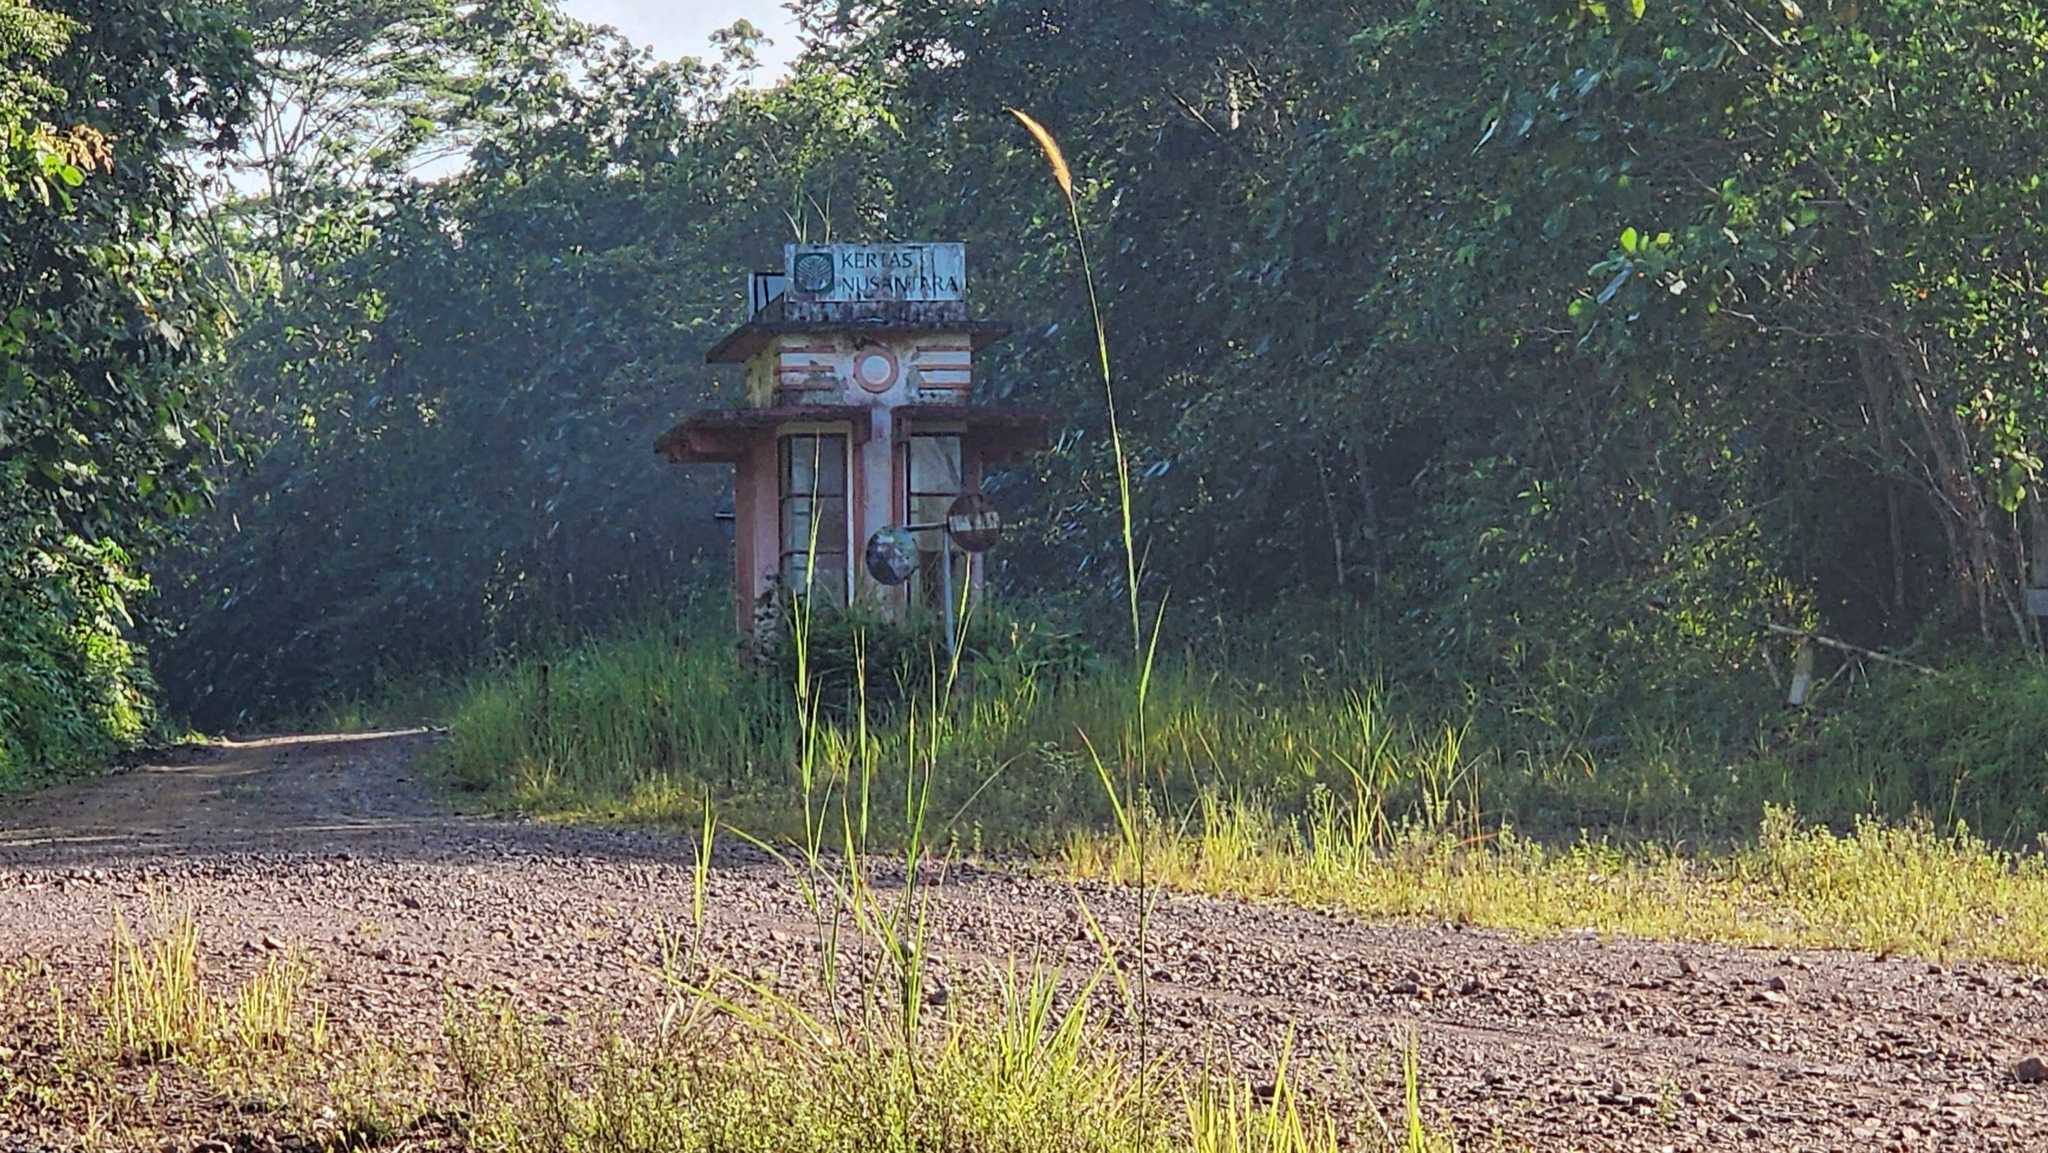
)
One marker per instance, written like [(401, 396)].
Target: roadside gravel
[(333, 845)]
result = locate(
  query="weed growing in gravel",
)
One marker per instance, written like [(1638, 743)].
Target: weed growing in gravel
[(267, 1014), (1124, 796), (158, 1044), (780, 1085), (1017, 1061), (1029, 1071), (154, 1007)]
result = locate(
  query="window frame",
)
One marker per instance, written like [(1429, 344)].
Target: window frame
[(924, 586), (786, 496)]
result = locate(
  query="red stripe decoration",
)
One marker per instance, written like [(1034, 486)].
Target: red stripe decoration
[(791, 364)]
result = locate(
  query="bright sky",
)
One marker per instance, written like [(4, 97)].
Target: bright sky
[(674, 28)]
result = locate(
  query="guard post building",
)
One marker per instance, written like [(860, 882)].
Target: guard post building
[(859, 417)]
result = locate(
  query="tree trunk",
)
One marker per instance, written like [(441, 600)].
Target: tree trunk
[(1881, 400), (1975, 543), (1330, 511), (2037, 516), (1369, 510)]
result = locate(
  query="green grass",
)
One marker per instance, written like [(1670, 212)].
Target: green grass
[(1886, 888), (645, 724), (1970, 744), (1329, 797), (638, 723)]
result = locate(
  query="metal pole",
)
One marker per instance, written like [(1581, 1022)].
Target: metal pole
[(946, 580)]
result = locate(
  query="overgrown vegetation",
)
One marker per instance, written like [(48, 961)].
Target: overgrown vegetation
[(1334, 798), (1569, 345), (1560, 346), (1501, 385), (647, 724)]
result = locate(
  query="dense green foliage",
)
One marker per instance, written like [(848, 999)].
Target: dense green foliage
[(1579, 341), (452, 396), (105, 425), (1572, 342)]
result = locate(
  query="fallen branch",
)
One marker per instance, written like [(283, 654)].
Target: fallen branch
[(1846, 647)]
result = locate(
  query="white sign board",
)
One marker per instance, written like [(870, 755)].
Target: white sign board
[(876, 273)]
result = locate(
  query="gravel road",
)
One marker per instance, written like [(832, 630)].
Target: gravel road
[(332, 844)]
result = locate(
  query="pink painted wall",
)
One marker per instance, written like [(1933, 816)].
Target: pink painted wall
[(757, 527), (824, 369)]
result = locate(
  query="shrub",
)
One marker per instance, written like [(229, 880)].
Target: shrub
[(74, 689), (1000, 648)]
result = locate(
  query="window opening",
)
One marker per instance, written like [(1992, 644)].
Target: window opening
[(932, 483), (814, 493)]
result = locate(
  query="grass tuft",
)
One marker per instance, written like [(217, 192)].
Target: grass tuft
[(1028, 1070), (154, 1007)]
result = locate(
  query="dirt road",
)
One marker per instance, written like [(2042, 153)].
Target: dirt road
[(332, 844)]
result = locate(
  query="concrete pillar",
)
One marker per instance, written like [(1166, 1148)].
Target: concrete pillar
[(876, 489)]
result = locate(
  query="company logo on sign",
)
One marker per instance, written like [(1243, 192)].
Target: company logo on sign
[(813, 272)]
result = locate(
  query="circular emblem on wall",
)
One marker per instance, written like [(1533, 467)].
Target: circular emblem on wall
[(874, 366), (892, 555), (813, 272)]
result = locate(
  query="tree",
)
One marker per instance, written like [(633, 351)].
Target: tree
[(103, 417), (452, 411), (353, 102), (1347, 254)]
